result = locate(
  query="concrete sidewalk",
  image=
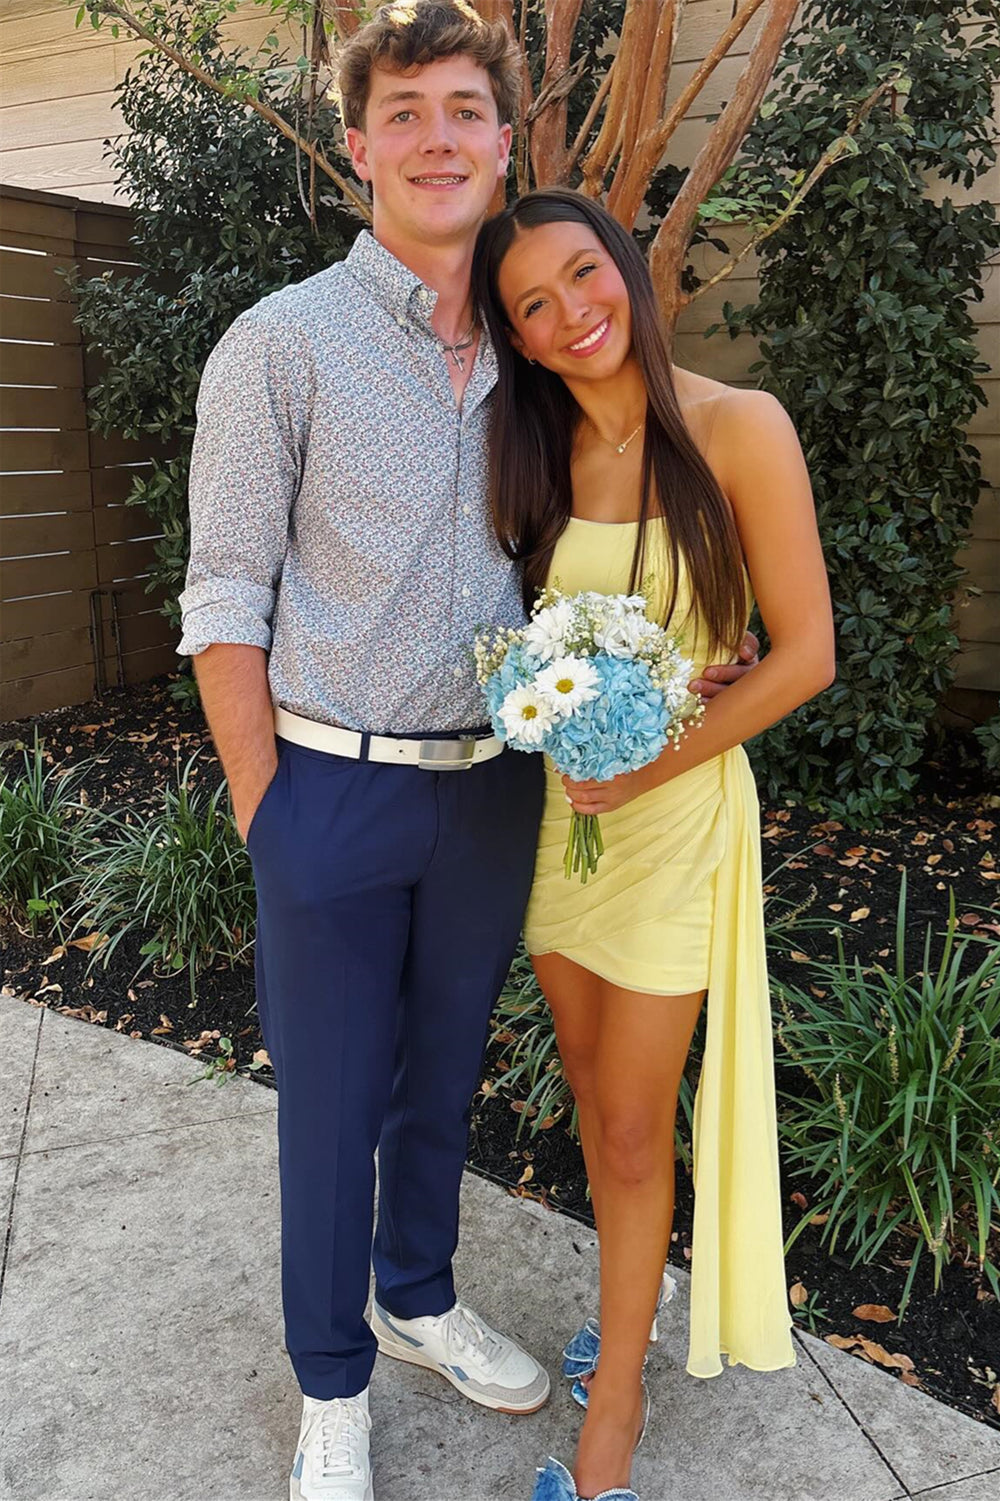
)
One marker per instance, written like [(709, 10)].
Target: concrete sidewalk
[(140, 1336)]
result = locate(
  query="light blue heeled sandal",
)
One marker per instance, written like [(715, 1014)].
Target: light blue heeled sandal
[(555, 1483), (581, 1354)]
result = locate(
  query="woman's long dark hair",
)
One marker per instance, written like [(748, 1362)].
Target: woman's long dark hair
[(535, 418)]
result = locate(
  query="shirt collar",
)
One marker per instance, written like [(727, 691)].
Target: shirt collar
[(394, 285), (409, 300)]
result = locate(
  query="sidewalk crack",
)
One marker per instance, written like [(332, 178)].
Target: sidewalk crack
[(906, 1492), (91, 1141), (945, 1485), (9, 1228)]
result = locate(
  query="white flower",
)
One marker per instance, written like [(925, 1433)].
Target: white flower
[(545, 634), (622, 635), (527, 715), (567, 683)]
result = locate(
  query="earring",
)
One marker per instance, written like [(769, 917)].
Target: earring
[(531, 361)]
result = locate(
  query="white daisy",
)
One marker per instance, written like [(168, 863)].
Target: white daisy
[(545, 634), (567, 683), (623, 636), (527, 715)]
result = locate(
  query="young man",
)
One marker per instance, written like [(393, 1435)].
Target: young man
[(341, 559)]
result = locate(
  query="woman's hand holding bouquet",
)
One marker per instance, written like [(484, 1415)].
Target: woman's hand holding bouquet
[(598, 687)]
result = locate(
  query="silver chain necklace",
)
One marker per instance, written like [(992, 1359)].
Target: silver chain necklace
[(455, 350)]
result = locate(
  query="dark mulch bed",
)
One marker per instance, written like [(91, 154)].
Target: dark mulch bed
[(135, 740)]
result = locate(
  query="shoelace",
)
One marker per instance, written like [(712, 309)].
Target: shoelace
[(342, 1429), (463, 1327)]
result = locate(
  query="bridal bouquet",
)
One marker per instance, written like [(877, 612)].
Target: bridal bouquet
[(593, 683)]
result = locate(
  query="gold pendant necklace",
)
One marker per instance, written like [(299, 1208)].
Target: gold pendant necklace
[(619, 447)]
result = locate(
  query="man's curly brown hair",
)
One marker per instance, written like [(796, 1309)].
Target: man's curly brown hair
[(411, 33)]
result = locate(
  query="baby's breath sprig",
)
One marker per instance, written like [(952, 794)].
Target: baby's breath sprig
[(490, 648)]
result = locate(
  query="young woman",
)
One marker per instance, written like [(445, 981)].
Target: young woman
[(613, 469)]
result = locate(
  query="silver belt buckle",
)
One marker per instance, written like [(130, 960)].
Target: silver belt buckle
[(440, 755)]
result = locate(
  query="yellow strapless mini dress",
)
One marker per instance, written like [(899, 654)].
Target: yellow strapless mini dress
[(676, 906)]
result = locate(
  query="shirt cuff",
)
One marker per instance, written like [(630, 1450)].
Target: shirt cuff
[(212, 613)]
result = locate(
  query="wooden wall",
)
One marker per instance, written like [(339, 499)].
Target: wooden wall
[(57, 107), (65, 531)]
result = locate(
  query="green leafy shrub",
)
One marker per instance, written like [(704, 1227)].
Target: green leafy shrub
[(901, 1130), (867, 338), (38, 839), (988, 735), (180, 877), (218, 224)]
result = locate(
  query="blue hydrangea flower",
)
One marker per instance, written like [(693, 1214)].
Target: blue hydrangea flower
[(621, 729)]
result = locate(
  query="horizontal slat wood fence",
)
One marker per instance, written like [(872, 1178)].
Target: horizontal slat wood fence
[(75, 560)]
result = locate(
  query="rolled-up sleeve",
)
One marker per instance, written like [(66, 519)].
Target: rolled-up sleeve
[(246, 468)]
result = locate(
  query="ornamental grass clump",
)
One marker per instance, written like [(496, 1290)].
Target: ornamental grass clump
[(901, 1129), (180, 878), (38, 837)]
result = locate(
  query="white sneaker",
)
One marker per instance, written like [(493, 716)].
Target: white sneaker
[(483, 1365), (331, 1461)]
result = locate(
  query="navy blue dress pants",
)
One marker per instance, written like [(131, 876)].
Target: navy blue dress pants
[(389, 903)]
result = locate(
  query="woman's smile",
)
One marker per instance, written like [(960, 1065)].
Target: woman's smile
[(593, 340)]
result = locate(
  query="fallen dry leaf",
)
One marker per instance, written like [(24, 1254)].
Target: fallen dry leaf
[(859, 913), (995, 1399), (798, 1294), (909, 1378), (876, 1313), (800, 1199), (885, 1357), (57, 953), (85, 1014), (527, 1175), (841, 1341), (819, 1219), (90, 941)]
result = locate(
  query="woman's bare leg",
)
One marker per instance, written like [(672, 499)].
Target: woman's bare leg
[(625, 1053), (574, 996)]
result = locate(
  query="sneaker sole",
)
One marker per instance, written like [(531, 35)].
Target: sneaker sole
[(295, 1490), (414, 1357)]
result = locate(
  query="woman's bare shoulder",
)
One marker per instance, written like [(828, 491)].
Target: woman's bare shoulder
[(721, 417)]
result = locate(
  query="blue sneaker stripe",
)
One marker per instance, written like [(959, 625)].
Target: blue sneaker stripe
[(408, 1339), (297, 1468), (457, 1369)]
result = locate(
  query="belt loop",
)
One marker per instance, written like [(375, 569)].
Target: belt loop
[(366, 741)]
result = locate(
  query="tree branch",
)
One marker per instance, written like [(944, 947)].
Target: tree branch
[(595, 109), (314, 152), (547, 142), (609, 138), (346, 16), (669, 248), (832, 154), (638, 161)]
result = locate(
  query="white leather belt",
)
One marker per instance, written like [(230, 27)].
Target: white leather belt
[(456, 754)]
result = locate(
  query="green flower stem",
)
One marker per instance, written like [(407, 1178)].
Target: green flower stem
[(584, 845)]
